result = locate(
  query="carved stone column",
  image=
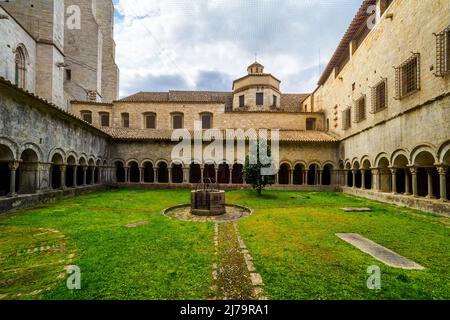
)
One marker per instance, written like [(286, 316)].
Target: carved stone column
[(354, 179), (74, 174), (13, 166), (63, 169), (85, 169), (443, 182), (394, 180), (376, 179), (407, 191), (414, 181), (430, 183)]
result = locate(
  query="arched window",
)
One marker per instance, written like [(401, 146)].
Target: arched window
[(207, 120), (20, 61), (177, 120), (149, 120)]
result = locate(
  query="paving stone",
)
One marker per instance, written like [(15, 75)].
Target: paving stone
[(379, 252), (256, 279), (356, 209), (137, 224)]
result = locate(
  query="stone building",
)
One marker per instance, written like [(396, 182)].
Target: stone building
[(62, 50), (376, 125)]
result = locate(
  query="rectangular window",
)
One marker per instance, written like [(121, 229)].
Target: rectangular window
[(407, 77), (311, 124), (68, 75), (150, 121), (104, 119), (346, 119), (242, 101), (206, 121), (87, 116), (360, 109), (379, 96), (260, 99), (126, 120), (275, 101), (177, 121), (443, 53)]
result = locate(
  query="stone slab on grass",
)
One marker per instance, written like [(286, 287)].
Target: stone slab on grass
[(356, 209), (137, 224), (379, 252)]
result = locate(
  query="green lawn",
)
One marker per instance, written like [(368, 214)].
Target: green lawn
[(291, 239)]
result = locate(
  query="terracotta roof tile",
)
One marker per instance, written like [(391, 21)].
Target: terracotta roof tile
[(152, 134)]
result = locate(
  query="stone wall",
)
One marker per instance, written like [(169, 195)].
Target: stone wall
[(14, 35)]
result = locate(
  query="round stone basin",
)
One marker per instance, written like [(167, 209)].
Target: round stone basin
[(232, 213), (208, 202)]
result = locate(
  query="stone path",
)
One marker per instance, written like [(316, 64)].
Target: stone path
[(379, 252), (356, 209), (234, 274)]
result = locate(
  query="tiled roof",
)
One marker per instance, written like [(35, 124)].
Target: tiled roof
[(292, 102), (179, 96), (360, 18), (152, 134), (289, 102)]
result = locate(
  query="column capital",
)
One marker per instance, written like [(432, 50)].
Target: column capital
[(62, 167), (442, 170), (13, 165)]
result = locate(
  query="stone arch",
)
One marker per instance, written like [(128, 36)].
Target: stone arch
[(120, 170), (327, 169), (149, 171), (398, 153), (163, 171), (237, 173), (444, 153), (145, 161), (427, 175), (27, 174), (35, 148), (177, 172), (195, 172), (298, 174), (12, 146), (59, 151), (223, 173), (284, 173), (355, 163), (380, 156), (134, 174), (421, 150), (131, 160)]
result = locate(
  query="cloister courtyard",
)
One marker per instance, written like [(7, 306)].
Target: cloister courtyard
[(126, 248)]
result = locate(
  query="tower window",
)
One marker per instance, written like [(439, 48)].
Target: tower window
[(275, 100), (241, 101), (20, 67), (68, 75), (407, 77), (259, 99), (379, 96)]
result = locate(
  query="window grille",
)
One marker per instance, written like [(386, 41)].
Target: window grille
[(346, 119), (407, 77), (360, 109), (379, 96), (443, 53)]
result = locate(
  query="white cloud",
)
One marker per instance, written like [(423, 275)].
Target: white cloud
[(202, 44)]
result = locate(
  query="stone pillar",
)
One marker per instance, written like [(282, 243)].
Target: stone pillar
[(43, 176), (320, 177), (363, 180), (155, 175), (231, 175), (442, 182), (305, 177), (186, 171), (85, 168), (63, 169), (202, 169), (141, 174), (407, 191), (169, 170), (414, 181), (375, 179), (430, 183), (216, 179), (354, 179), (74, 176), (394, 180), (13, 166), (92, 176)]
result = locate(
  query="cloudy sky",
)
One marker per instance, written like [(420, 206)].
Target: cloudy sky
[(204, 44)]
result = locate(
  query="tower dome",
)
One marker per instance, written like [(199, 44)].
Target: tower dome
[(255, 68)]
